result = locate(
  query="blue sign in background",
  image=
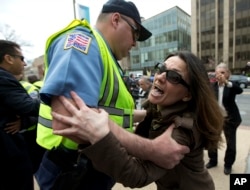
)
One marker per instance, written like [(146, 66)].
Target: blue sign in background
[(83, 12)]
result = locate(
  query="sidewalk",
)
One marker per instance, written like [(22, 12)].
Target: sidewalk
[(241, 165)]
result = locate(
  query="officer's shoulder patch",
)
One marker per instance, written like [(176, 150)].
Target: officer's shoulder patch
[(78, 41)]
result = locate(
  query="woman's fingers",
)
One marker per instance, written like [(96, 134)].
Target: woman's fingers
[(79, 102), (78, 107), (65, 132), (83, 125), (62, 118), (68, 105)]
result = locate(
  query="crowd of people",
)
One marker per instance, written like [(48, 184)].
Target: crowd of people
[(139, 88), (49, 130)]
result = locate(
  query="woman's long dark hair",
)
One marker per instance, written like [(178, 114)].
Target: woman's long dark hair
[(208, 115)]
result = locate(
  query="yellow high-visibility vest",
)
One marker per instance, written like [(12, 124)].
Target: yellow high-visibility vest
[(38, 84), (114, 96)]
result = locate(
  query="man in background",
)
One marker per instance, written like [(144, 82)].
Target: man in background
[(145, 86), (226, 92), (15, 107)]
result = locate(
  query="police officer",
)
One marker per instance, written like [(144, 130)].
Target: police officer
[(83, 58)]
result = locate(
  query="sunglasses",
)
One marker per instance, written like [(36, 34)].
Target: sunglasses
[(19, 56), (172, 76), (135, 30)]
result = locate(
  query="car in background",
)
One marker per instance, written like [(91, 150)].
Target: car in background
[(241, 80)]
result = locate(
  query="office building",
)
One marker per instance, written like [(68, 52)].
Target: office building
[(170, 32), (221, 32)]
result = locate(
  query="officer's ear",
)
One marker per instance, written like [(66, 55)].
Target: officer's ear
[(115, 18)]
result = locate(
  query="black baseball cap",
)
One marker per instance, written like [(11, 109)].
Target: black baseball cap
[(129, 9)]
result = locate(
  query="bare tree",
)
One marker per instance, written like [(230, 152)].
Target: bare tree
[(11, 35)]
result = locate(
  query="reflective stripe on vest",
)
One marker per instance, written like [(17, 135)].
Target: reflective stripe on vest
[(114, 96), (114, 88)]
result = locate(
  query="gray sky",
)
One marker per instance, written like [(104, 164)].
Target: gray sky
[(36, 20)]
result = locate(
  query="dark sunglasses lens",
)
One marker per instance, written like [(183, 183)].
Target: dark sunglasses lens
[(173, 77), (157, 68), (160, 68)]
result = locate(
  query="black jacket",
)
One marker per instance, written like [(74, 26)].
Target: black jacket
[(14, 100), (228, 101), (15, 162)]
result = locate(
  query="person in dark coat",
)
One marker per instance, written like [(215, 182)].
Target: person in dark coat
[(226, 92), (16, 106)]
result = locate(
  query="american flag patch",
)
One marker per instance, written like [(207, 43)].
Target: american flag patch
[(80, 42)]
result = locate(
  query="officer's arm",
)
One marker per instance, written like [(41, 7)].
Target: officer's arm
[(57, 106)]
